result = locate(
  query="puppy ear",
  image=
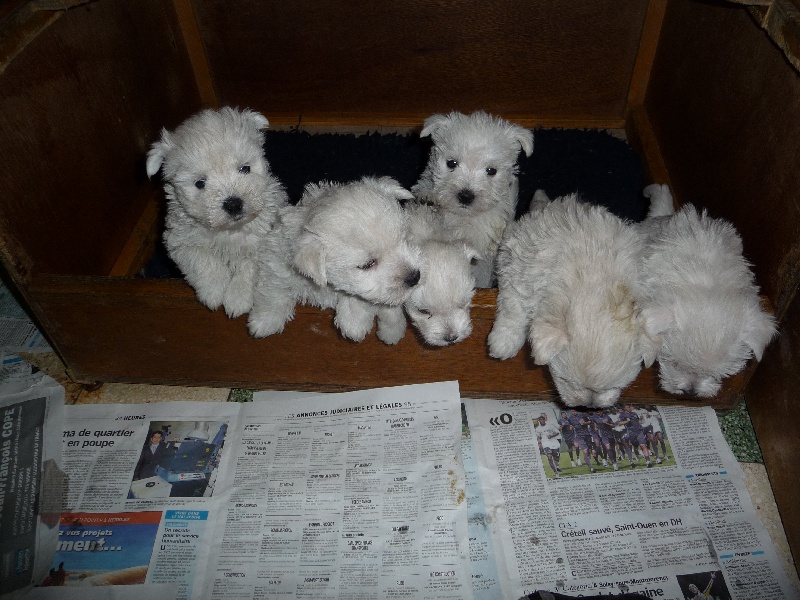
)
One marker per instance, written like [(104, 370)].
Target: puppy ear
[(547, 340), (309, 258), (256, 118), (760, 330), (433, 123), (524, 137), (158, 151), (391, 187)]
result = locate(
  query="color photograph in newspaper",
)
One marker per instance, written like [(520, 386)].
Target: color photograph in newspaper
[(179, 459), (103, 549)]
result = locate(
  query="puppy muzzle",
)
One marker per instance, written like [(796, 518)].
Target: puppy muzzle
[(465, 197), (412, 278), (234, 206)]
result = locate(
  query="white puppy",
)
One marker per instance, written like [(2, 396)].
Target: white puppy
[(439, 306), (568, 276), (344, 246), (471, 177), (700, 297), (222, 200)]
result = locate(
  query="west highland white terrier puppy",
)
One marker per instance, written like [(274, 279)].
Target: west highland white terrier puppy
[(439, 306), (471, 177), (222, 200), (344, 246), (700, 297), (568, 277)]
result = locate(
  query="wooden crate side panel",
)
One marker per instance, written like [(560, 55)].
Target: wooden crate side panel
[(155, 331), (80, 106), (725, 107), (416, 57), (772, 400)]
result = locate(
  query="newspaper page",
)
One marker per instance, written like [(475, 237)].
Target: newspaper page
[(142, 493), (31, 414), (629, 499), (17, 331), (348, 496)]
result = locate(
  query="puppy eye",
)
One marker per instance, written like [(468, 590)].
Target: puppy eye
[(491, 171), (368, 265), (200, 184), (424, 311), (451, 164), (244, 169)]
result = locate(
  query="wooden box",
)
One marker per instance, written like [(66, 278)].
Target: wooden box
[(703, 91)]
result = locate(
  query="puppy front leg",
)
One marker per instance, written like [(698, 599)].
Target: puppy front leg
[(273, 307), (238, 298), (354, 317), (204, 272), (509, 330), (391, 324)]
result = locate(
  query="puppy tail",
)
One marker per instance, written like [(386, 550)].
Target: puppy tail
[(661, 202)]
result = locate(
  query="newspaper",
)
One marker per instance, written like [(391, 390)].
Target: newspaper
[(349, 496), (353, 495), (404, 492), (671, 520), (31, 413), (17, 331)]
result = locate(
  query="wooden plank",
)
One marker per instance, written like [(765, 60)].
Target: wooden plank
[(419, 57), (641, 136), (647, 52), (187, 21), (155, 331), (339, 120), (772, 400), (142, 242)]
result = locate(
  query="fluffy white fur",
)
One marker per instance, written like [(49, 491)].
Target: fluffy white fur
[(344, 246), (471, 177), (568, 277), (439, 307), (222, 200), (700, 296)]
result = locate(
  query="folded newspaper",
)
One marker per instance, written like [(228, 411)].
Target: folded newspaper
[(406, 492)]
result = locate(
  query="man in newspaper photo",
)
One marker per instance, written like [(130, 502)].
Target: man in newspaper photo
[(152, 454), (549, 435)]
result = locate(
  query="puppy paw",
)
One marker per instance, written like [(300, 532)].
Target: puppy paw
[(504, 344), (238, 298), (263, 324), (353, 318), (355, 331), (211, 297), (391, 326)]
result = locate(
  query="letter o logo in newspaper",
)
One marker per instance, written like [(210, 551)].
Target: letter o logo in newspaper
[(504, 419)]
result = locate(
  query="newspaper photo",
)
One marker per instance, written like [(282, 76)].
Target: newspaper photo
[(629, 499)]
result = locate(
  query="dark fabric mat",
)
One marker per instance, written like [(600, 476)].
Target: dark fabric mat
[(600, 167)]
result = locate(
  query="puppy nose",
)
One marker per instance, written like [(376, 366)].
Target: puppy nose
[(466, 197), (412, 278), (450, 337), (692, 393), (232, 205)]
